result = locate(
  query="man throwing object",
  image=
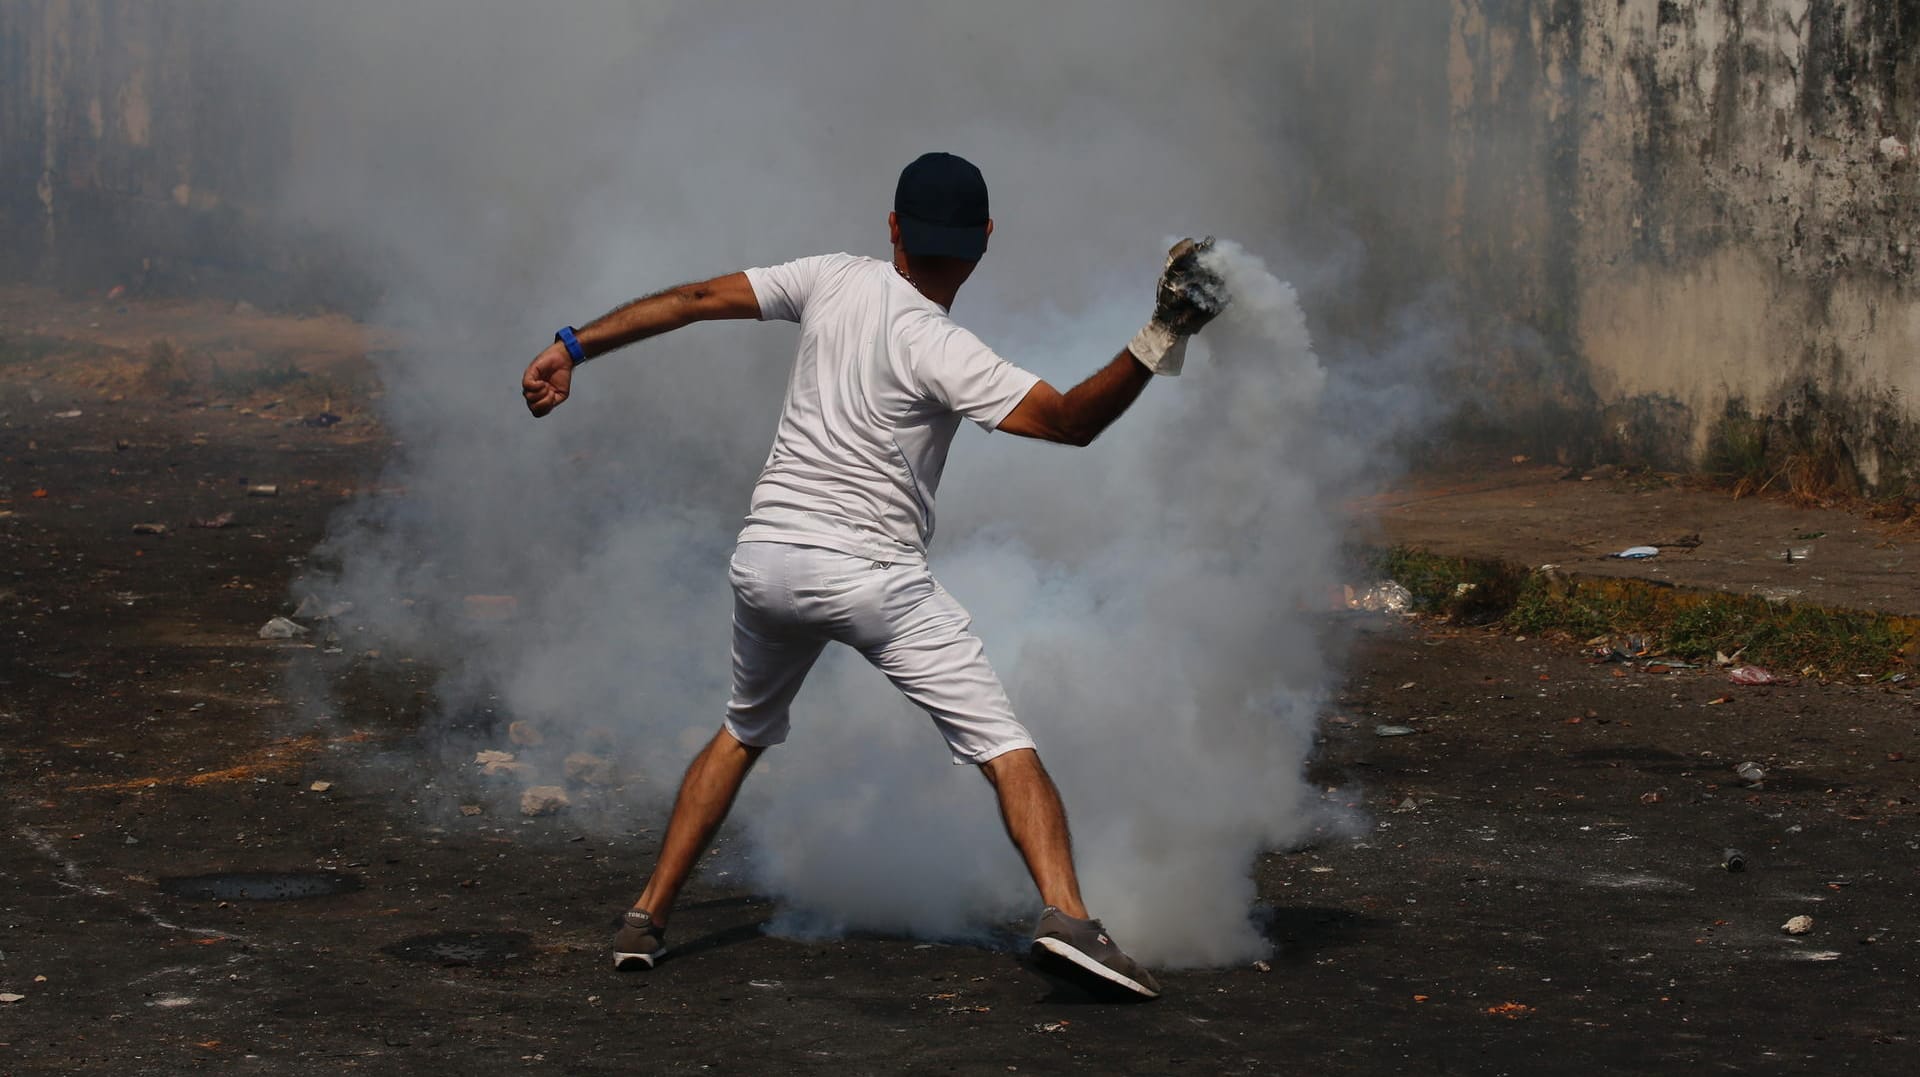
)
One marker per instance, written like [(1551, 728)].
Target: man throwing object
[(835, 543)]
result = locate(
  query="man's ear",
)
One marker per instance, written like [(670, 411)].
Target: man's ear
[(893, 228)]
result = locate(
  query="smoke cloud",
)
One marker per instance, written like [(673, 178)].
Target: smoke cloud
[(1149, 601)]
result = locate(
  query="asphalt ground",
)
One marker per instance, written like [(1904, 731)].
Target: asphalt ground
[(1532, 881)]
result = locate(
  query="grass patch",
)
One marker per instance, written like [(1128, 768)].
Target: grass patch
[(1687, 624)]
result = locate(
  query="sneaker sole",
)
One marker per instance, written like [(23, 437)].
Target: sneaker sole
[(1060, 948), (631, 962)]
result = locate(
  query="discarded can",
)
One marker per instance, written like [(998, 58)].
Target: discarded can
[(1733, 860)]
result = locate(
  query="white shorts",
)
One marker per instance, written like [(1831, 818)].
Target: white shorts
[(789, 601)]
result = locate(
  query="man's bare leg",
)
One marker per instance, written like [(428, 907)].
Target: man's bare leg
[(1037, 823), (706, 794)]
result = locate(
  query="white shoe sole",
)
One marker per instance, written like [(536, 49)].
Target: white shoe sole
[(1061, 949), (630, 962)]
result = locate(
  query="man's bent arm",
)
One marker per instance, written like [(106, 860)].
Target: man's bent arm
[(730, 296), (549, 378), (1078, 416)]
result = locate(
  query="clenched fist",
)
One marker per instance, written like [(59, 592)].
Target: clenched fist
[(548, 379)]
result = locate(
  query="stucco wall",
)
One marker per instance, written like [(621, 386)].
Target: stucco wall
[(1702, 208)]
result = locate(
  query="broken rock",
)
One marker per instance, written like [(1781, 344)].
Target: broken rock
[(491, 756), (1799, 925), (281, 628), (543, 800)]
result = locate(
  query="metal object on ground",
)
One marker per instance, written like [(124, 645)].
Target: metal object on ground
[(1733, 860)]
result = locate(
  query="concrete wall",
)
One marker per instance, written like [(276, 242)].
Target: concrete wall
[(1703, 209), (136, 145)]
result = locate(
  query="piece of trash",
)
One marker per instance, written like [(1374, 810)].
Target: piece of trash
[(1799, 925), (73, 414), (1751, 675), (1750, 771), (543, 800), (1636, 553), (490, 755), (225, 519), (1797, 553), (149, 529), (1321, 869), (322, 420), (1262, 966), (1651, 797), (1717, 700), (1722, 659), (1385, 596), (1051, 1026), (1733, 860), (491, 607), (10, 996), (265, 489), (320, 787), (281, 628), (1512, 1011), (524, 735), (1521, 458), (40, 493), (470, 809), (1392, 730), (588, 769), (1408, 805), (763, 983)]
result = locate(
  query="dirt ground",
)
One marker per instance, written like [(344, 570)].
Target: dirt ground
[(1534, 883)]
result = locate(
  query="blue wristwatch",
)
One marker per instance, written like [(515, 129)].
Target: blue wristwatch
[(566, 336)]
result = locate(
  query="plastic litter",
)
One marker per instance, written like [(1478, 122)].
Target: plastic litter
[(1385, 596), (1392, 730), (281, 628), (1750, 771), (1636, 553), (1751, 675)]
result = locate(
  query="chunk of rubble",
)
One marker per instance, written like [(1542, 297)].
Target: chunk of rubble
[(150, 529), (491, 756), (1799, 925), (507, 769), (524, 734), (320, 787), (589, 769), (225, 519), (543, 800), (281, 628)]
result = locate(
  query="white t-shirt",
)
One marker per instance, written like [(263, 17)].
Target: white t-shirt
[(879, 386)]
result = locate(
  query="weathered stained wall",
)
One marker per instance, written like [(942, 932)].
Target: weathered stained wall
[(1702, 208), (135, 145)]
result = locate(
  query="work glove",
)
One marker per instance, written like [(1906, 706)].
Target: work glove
[(1191, 293)]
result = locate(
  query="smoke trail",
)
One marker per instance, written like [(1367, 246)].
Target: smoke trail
[(1142, 598)]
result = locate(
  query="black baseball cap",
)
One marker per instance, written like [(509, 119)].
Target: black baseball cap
[(942, 204)]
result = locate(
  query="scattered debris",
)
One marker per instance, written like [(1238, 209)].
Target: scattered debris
[(320, 787), (470, 809), (1636, 553), (215, 523), (281, 628), (1750, 772), (265, 489), (1262, 966), (1733, 860), (489, 755), (72, 414), (1651, 797), (1392, 730), (1796, 553), (149, 529), (543, 800), (1799, 925), (1051, 1026), (589, 769), (491, 607), (1512, 1011), (1751, 675), (10, 996), (525, 735), (1407, 805), (1385, 596), (1717, 700)]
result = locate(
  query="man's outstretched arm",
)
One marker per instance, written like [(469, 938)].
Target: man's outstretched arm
[(549, 378), (1190, 294)]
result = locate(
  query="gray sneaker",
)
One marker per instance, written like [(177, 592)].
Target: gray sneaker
[(1085, 945), (639, 942)]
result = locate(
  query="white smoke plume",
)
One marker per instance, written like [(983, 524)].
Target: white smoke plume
[(1148, 601)]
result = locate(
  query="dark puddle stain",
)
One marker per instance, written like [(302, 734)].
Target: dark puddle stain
[(259, 885)]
